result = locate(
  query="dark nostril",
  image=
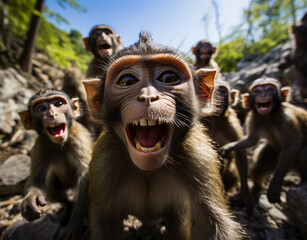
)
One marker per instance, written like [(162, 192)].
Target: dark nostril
[(148, 95)]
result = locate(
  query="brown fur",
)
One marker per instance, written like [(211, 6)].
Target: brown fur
[(55, 167), (285, 131), (182, 185), (72, 85)]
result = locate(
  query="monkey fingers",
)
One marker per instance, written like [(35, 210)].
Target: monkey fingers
[(31, 210), (225, 150)]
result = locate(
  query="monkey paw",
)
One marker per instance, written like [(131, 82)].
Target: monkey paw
[(29, 206), (224, 151)]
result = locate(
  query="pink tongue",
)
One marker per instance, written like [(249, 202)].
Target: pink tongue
[(149, 136), (56, 130)]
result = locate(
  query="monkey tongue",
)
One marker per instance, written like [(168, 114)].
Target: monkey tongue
[(57, 130), (149, 136)]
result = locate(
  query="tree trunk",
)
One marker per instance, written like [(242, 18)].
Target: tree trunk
[(29, 47), (293, 14), (4, 22)]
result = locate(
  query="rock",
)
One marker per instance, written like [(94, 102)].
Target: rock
[(13, 174), (253, 67), (14, 94), (297, 201), (48, 227)]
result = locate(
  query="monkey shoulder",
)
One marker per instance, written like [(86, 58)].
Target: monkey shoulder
[(95, 68), (295, 117), (80, 138)]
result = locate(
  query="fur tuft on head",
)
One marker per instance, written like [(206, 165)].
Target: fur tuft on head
[(265, 80)]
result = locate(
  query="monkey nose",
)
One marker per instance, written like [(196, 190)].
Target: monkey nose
[(148, 95)]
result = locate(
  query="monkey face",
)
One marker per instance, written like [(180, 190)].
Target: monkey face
[(222, 95), (105, 43), (52, 111), (146, 90), (264, 96), (151, 95)]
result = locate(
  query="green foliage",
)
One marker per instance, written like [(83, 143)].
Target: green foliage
[(267, 24), (64, 48), (229, 54), (20, 12)]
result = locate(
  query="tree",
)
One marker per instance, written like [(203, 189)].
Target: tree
[(29, 46)]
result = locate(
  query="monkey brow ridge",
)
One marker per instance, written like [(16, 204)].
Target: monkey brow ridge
[(162, 58)]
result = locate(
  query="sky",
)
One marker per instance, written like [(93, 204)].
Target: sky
[(176, 23)]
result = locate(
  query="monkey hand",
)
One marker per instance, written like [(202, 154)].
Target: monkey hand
[(225, 150), (30, 206), (274, 192)]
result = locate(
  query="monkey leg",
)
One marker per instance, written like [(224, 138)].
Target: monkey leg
[(303, 164), (266, 161), (230, 176)]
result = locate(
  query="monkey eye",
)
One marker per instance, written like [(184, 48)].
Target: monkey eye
[(126, 80), (169, 78), (40, 108), (256, 91), (270, 89), (58, 103), (222, 90)]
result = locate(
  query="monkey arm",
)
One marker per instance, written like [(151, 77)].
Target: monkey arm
[(35, 193), (245, 142), (241, 163)]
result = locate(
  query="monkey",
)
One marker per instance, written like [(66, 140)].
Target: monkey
[(283, 126), (223, 127), (204, 53), (153, 158), (73, 87), (298, 57), (61, 153), (102, 42)]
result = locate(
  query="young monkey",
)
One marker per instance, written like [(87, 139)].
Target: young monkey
[(283, 125), (224, 127), (61, 153), (102, 42), (153, 158)]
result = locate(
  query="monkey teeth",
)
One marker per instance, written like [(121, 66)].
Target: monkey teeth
[(56, 129), (144, 122), (145, 149)]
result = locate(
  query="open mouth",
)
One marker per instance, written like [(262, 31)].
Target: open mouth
[(56, 130), (147, 135), (104, 46), (264, 107)]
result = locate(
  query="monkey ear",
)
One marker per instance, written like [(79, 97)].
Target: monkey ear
[(92, 88), (293, 29), (119, 39), (214, 50), (206, 79), (285, 93), (234, 96), (85, 42), (75, 107), (25, 119), (193, 49), (245, 100)]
